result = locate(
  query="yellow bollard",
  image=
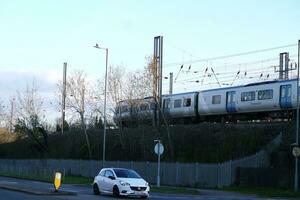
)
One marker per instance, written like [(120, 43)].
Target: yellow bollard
[(57, 181)]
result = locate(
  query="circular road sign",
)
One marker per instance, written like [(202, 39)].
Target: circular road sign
[(161, 149), (296, 151)]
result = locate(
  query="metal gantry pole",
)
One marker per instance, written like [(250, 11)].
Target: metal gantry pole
[(171, 83), (63, 104), (158, 56), (105, 94), (297, 123)]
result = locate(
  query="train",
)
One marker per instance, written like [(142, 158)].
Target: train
[(267, 100)]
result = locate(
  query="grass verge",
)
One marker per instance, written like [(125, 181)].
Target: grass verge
[(174, 190), (265, 192), (66, 179)]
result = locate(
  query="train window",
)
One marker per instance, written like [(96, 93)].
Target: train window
[(282, 93), (144, 107), (177, 103), (216, 99), (248, 96), (231, 98), (167, 103), (265, 94), (187, 102), (289, 91)]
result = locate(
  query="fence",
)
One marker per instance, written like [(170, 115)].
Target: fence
[(174, 174)]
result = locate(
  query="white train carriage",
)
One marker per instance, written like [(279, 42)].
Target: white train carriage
[(263, 100), (146, 109), (212, 102), (182, 105), (131, 112), (123, 113), (252, 98)]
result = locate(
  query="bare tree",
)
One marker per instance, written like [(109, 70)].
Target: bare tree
[(2, 114), (138, 85), (116, 77), (78, 99), (28, 103), (30, 118)]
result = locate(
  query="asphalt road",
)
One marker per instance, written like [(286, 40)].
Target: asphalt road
[(84, 192)]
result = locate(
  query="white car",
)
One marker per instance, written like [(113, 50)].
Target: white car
[(119, 181)]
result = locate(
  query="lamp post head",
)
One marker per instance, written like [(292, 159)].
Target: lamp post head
[(97, 46)]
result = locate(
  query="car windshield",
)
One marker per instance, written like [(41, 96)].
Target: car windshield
[(125, 173)]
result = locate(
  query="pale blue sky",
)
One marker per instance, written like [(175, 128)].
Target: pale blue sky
[(37, 36)]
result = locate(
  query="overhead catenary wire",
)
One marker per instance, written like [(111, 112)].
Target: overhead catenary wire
[(215, 76), (195, 74), (234, 55), (224, 74)]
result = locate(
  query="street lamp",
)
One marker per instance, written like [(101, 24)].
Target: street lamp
[(297, 123), (104, 130)]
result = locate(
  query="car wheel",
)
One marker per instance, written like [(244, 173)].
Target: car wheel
[(96, 189), (116, 191)]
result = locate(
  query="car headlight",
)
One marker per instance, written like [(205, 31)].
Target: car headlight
[(146, 184), (124, 183)]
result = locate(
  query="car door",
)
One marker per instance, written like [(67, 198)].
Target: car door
[(100, 180), (109, 182)]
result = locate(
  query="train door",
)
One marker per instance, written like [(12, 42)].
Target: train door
[(166, 107), (231, 101), (286, 96)]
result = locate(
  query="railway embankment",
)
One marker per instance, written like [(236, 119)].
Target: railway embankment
[(203, 143)]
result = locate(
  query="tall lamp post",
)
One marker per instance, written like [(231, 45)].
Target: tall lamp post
[(104, 129), (297, 124)]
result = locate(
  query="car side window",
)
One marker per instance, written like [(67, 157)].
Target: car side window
[(102, 173), (108, 173)]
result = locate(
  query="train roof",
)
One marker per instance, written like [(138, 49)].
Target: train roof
[(250, 84), (166, 95)]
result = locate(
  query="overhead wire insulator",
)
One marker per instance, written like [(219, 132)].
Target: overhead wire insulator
[(179, 72), (237, 74)]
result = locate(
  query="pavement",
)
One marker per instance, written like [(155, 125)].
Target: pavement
[(32, 187)]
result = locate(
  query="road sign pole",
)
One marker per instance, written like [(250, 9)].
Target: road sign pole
[(158, 149), (158, 166)]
